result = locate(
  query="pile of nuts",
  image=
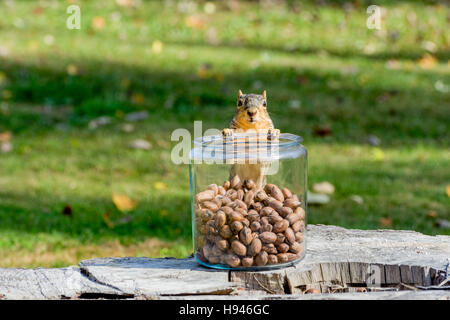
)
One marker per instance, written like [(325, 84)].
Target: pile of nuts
[(242, 226)]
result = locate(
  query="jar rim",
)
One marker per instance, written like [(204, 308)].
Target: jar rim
[(285, 140)]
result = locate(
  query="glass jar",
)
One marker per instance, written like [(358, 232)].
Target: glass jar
[(248, 200)]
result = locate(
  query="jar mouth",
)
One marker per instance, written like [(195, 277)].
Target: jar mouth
[(285, 140)]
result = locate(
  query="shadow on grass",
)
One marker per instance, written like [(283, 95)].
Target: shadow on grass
[(30, 214), (404, 54), (326, 98)]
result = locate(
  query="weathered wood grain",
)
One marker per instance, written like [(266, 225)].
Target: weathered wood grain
[(347, 258), (155, 277), (338, 261), (62, 283)]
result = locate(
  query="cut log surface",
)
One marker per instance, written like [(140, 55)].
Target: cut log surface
[(340, 264)]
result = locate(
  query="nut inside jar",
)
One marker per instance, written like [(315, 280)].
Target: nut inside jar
[(241, 226)]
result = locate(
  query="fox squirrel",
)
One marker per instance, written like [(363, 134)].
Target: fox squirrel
[(251, 114)]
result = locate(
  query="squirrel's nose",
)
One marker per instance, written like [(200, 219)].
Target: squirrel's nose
[(251, 113)]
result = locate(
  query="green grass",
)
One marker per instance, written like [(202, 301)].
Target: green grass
[(320, 65)]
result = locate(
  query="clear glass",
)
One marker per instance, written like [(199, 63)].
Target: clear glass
[(248, 201)]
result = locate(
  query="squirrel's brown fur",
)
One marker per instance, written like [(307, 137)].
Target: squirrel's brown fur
[(251, 114)]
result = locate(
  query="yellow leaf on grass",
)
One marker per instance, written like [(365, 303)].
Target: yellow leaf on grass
[(157, 47), (123, 202), (427, 61), (377, 154), (107, 220), (124, 3), (98, 23), (72, 70), (138, 98), (195, 22), (447, 190), (385, 222), (5, 136), (160, 185)]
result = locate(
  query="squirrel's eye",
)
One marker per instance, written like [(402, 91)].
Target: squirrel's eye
[(265, 104), (240, 103)]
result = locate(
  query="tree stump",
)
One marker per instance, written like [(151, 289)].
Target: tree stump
[(339, 264)]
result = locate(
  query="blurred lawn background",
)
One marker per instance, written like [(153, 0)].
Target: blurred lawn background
[(373, 107)]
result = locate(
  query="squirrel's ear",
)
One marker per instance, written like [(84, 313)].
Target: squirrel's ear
[(264, 95), (239, 94)]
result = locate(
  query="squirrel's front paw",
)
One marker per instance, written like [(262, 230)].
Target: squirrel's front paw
[(273, 133), (227, 132)]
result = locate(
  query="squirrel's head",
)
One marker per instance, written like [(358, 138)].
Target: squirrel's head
[(252, 107)]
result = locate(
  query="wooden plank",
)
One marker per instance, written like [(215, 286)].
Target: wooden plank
[(61, 283), (393, 274), (337, 259), (155, 277), (349, 257)]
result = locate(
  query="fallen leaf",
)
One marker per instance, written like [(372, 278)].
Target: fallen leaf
[(98, 23), (138, 98), (447, 190), (439, 86), (211, 36), (385, 222), (72, 70), (377, 154), (136, 116), (323, 187), (204, 71), (38, 11), (373, 140), (294, 104), (140, 144), (432, 214), (6, 147), (160, 185), (195, 22), (123, 202), (49, 39), (5, 136), (98, 122), (107, 220), (4, 51), (392, 64), (430, 46), (128, 127), (442, 223), (67, 211), (124, 3), (317, 198), (157, 47), (357, 199), (427, 61), (321, 131), (209, 7)]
